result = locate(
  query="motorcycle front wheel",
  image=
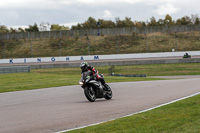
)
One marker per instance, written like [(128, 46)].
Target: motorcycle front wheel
[(90, 93)]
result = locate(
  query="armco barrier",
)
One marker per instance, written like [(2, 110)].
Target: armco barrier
[(14, 69)]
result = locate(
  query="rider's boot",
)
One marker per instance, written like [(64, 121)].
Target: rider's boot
[(104, 84)]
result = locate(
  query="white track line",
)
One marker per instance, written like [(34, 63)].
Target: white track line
[(132, 113)]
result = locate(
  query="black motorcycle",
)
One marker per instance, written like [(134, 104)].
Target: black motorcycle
[(93, 88)]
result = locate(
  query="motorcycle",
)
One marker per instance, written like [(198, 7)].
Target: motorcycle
[(94, 89)]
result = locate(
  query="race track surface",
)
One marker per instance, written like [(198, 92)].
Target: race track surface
[(55, 109)]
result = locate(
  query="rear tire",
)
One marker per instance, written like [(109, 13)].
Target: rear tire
[(108, 95), (90, 93)]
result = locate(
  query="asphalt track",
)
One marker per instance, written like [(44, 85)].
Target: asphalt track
[(55, 109)]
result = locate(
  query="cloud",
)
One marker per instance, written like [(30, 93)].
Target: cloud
[(167, 9), (107, 15), (70, 24), (46, 4), (31, 4), (86, 1), (68, 12)]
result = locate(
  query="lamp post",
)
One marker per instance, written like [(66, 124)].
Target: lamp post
[(98, 32)]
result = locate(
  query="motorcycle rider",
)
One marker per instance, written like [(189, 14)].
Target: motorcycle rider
[(86, 67)]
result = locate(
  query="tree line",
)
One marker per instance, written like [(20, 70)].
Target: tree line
[(92, 23), (32, 28)]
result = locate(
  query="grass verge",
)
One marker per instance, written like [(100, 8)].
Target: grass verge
[(44, 78), (179, 117)]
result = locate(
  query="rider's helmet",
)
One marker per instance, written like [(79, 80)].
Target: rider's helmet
[(84, 66)]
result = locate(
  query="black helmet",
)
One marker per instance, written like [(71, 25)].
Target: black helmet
[(84, 66)]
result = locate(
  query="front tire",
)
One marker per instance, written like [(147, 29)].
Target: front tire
[(90, 93)]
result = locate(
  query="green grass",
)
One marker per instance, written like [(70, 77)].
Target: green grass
[(179, 117), (161, 69), (44, 78)]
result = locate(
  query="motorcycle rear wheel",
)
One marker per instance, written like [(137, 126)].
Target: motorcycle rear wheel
[(108, 95)]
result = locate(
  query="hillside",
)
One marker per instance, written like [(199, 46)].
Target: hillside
[(96, 45)]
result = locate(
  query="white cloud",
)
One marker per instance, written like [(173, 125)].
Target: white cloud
[(48, 4), (30, 4), (69, 24), (13, 14), (27, 12), (18, 26), (7, 3), (167, 9), (86, 1), (107, 15), (52, 3)]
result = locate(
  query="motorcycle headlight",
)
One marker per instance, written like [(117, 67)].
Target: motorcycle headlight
[(81, 83)]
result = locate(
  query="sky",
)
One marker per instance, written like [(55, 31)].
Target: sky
[(22, 13)]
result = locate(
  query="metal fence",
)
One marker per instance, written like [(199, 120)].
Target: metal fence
[(94, 32)]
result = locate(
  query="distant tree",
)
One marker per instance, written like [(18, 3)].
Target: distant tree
[(197, 21), (179, 21), (188, 20), (153, 22), (128, 22), (139, 24), (77, 27), (119, 23), (56, 27), (86, 25), (32, 28), (161, 22), (3, 29), (106, 23), (21, 30), (91, 23), (13, 30), (168, 20), (184, 21)]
